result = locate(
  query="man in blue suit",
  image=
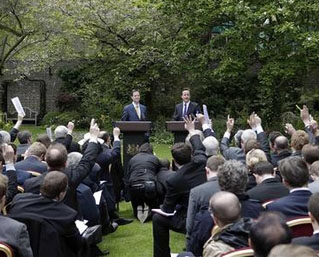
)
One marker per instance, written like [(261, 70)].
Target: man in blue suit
[(134, 111), (186, 107), (295, 175)]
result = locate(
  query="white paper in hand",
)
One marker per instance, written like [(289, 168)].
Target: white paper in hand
[(81, 226), (49, 132), (97, 196), (206, 117), (17, 105)]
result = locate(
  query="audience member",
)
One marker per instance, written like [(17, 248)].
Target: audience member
[(199, 196), (234, 231), (314, 173), (49, 206), (268, 231), (190, 173), (12, 232), (292, 251), (268, 186), (56, 158), (312, 241), (164, 173), (310, 153), (44, 139), (280, 150), (298, 140), (25, 140), (63, 135), (143, 188), (34, 158), (294, 172)]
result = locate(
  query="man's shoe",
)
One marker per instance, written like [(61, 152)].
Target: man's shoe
[(123, 221)]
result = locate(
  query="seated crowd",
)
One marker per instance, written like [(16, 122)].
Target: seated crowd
[(223, 198)]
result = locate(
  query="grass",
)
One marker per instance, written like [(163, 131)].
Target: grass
[(135, 239)]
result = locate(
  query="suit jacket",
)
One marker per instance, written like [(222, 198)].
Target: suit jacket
[(184, 179), (193, 108), (269, 189), (293, 205), (15, 234), (21, 149), (311, 241), (31, 163), (129, 113), (75, 176), (70, 145), (199, 200), (60, 216), (275, 157), (12, 183)]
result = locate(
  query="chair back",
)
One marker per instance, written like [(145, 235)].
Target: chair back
[(300, 226), (6, 250), (242, 252)]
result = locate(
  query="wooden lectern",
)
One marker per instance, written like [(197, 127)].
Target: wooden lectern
[(133, 137), (178, 129)]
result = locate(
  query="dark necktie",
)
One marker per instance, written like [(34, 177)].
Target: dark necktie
[(184, 111)]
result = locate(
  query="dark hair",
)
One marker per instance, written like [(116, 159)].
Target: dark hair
[(310, 153), (273, 135), (146, 148), (186, 89), (295, 171), (56, 156), (313, 206), (214, 162), (165, 163), (251, 144), (24, 136), (104, 135), (54, 183), (269, 230), (182, 153), (134, 90), (44, 139), (262, 168)]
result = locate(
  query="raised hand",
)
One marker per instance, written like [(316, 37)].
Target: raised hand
[(230, 124), (189, 124)]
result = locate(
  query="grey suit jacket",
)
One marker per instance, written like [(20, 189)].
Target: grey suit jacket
[(15, 234), (199, 200)]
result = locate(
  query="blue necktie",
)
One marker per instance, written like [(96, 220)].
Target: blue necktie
[(184, 111)]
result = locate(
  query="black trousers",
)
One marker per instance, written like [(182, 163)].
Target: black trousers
[(161, 227)]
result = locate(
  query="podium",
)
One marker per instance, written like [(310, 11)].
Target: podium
[(179, 131), (133, 137)]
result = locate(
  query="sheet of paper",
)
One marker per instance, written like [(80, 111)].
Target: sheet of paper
[(49, 132), (17, 105), (206, 117), (81, 226), (97, 196), (159, 211)]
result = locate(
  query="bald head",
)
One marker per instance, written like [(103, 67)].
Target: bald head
[(225, 207), (56, 157), (281, 143)]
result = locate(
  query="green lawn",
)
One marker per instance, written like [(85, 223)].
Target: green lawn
[(135, 239)]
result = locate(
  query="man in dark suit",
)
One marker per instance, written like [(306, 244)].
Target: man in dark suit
[(56, 158), (63, 135), (49, 206), (186, 107), (268, 186), (134, 111), (25, 139), (12, 232), (190, 173), (295, 174), (199, 196), (34, 159), (312, 241)]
